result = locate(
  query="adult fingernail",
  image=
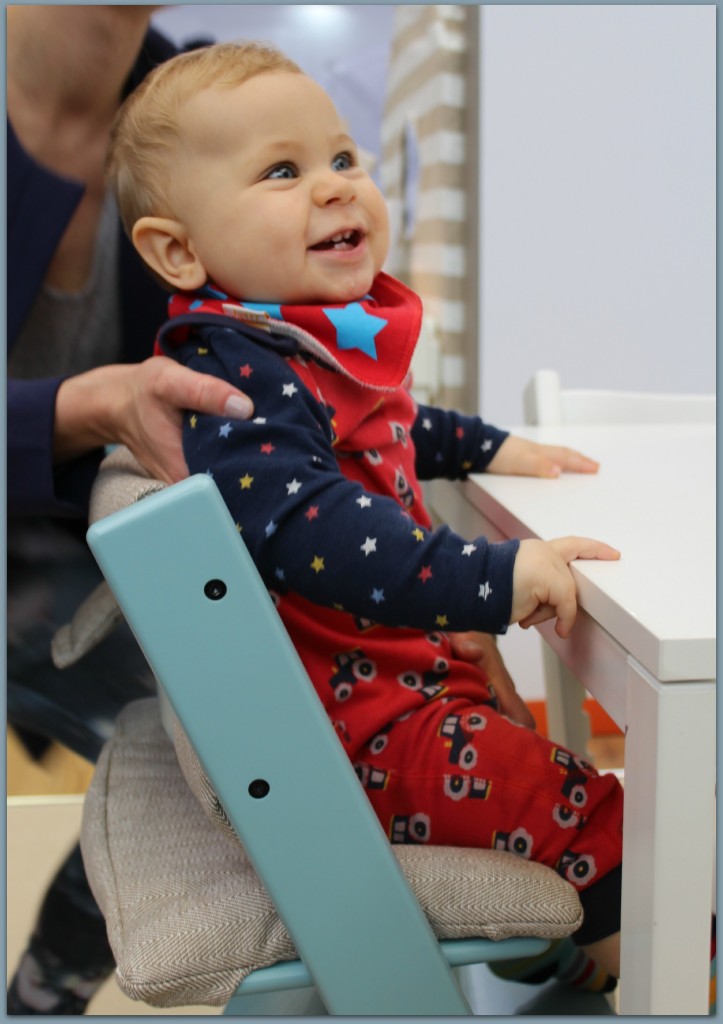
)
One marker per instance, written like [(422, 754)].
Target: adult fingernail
[(238, 407)]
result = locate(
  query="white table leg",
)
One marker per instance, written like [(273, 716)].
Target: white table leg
[(567, 723), (668, 845)]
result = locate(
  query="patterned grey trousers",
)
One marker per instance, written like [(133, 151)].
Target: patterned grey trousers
[(50, 570)]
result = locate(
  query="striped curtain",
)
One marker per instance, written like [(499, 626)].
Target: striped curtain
[(425, 178)]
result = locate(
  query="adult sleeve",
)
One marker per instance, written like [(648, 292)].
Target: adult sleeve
[(35, 485)]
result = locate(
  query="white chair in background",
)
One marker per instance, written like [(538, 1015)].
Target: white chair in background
[(546, 403)]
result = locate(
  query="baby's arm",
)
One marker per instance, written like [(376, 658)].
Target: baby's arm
[(542, 584), (450, 444), (318, 533), (519, 457)]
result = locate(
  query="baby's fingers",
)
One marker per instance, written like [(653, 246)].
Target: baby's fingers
[(542, 613), (571, 548), (564, 610)]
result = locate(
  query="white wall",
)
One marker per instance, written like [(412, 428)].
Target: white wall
[(598, 198), (597, 206), (597, 210), (345, 47)]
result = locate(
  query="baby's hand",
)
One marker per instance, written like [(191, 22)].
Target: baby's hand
[(519, 457), (542, 584)]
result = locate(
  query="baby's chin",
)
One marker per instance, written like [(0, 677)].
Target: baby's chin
[(337, 290), (336, 296)]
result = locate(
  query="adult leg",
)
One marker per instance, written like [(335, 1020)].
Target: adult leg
[(68, 956), (50, 571)]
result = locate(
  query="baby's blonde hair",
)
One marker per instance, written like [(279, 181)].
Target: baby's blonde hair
[(147, 127)]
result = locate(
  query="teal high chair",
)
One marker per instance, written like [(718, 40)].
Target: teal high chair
[(338, 920)]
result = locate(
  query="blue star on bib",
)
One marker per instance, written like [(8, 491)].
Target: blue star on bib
[(355, 328)]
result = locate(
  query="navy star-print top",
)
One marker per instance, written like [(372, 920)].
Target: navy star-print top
[(324, 486), (324, 483)]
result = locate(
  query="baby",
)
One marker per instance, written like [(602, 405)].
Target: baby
[(241, 189)]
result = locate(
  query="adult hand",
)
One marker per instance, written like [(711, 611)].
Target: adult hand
[(519, 457), (141, 406), (542, 584), (482, 649)]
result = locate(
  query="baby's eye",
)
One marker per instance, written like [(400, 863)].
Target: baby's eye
[(282, 171), (342, 162)]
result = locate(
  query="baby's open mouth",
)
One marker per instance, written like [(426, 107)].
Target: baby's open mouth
[(342, 241)]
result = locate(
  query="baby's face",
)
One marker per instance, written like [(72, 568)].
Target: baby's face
[(269, 187)]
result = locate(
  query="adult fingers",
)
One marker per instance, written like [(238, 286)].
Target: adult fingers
[(482, 649), (183, 388)]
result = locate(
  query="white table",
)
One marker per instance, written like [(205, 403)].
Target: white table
[(644, 647)]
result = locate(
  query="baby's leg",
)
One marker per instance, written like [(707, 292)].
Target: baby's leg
[(459, 774), (606, 952)]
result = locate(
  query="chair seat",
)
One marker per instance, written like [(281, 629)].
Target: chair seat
[(188, 918)]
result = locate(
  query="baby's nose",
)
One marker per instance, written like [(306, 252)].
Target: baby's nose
[(333, 188)]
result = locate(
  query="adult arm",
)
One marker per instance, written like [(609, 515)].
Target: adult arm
[(482, 650), (141, 406), (35, 486), (57, 428)]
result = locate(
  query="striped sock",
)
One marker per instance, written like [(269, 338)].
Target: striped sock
[(562, 960)]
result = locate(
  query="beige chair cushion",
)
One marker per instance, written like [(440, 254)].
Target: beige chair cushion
[(120, 482), (187, 916)]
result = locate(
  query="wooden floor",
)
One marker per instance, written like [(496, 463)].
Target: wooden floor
[(59, 772), (607, 751)]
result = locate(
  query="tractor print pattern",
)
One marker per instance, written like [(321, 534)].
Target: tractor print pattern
[(324, 487)]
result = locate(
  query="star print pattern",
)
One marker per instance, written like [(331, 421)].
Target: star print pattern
[(325, 480), (353, 465)]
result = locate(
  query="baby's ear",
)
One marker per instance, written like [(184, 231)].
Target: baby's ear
[(166, 248)]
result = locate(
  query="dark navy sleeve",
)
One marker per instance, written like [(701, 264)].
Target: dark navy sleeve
[(35, 485), (310, 529), (449, 444), (40, 205)]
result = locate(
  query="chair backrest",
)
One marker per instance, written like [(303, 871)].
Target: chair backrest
[(546, 403), (212, 636)]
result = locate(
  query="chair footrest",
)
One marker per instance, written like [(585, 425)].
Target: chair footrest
[(458, 952)]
